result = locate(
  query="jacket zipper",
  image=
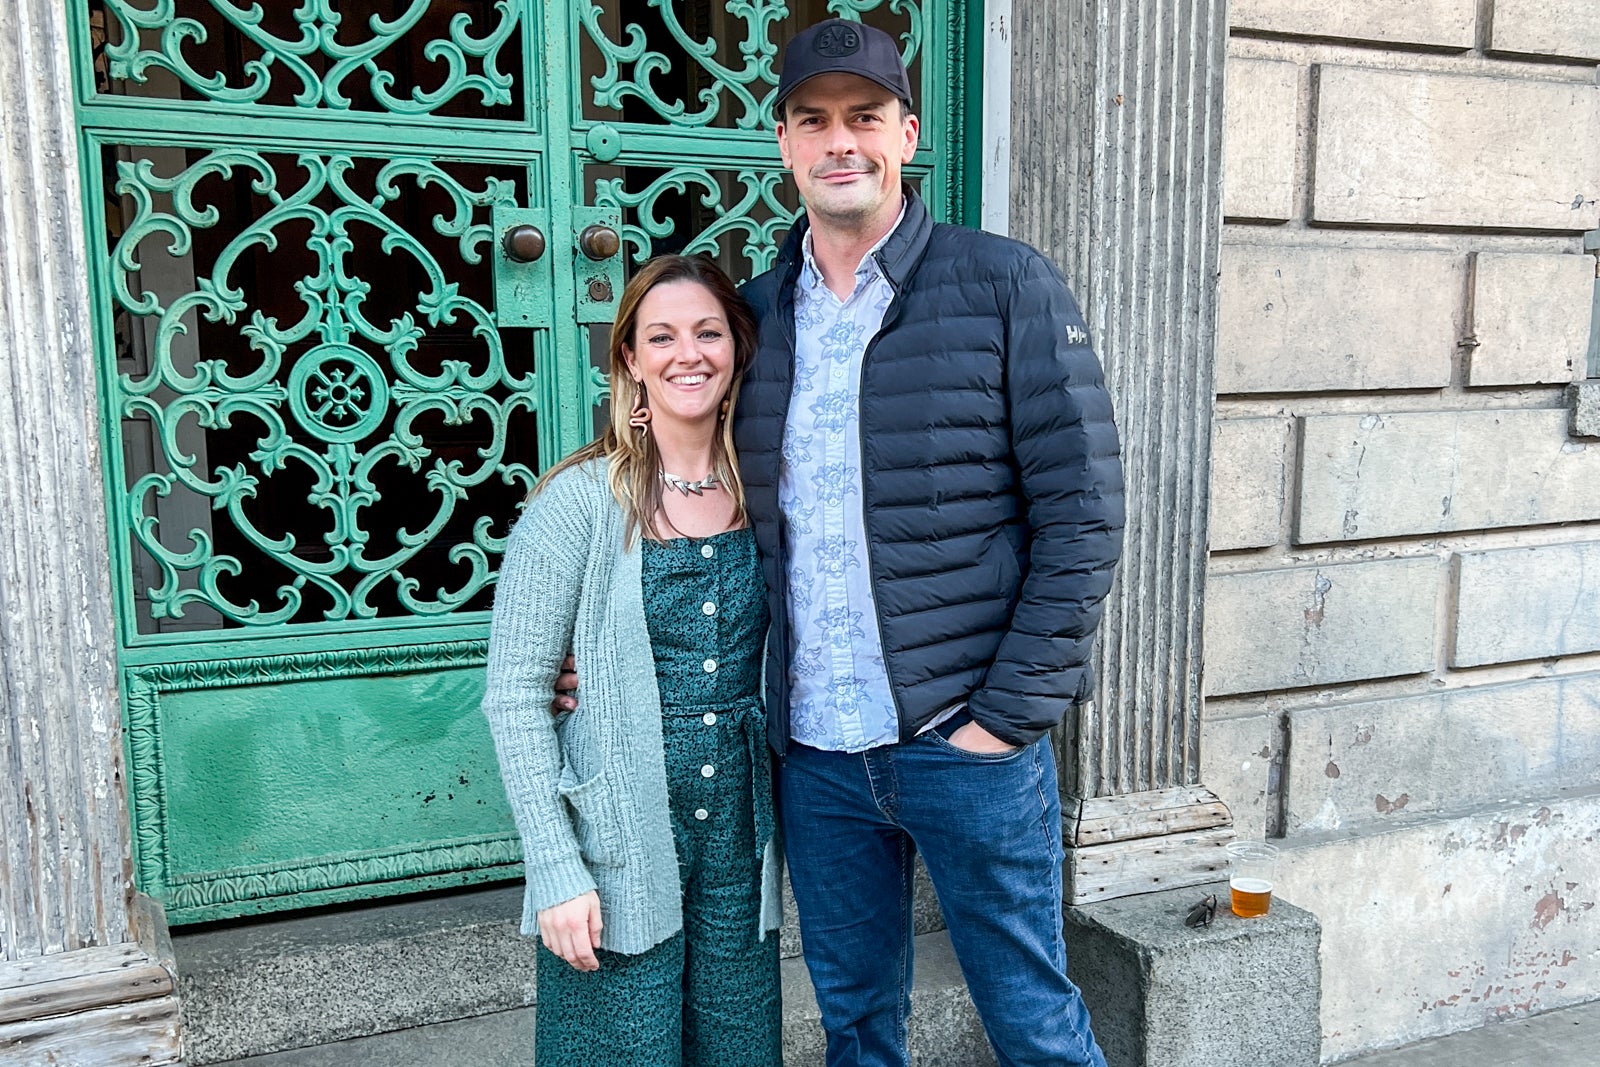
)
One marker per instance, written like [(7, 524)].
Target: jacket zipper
[(889, 318), (786, 322)]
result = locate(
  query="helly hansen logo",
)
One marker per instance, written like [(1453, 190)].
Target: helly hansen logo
[(1077, 335)]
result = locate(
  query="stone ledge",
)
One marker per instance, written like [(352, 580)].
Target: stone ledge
[(945, 1031), (264, 986), (1584, 399), (1442, 923), (1241, 993)]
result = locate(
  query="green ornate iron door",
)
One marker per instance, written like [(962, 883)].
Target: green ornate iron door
[(357, 265)]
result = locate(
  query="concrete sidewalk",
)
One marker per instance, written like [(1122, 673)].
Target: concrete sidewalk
[(1566, 1038)]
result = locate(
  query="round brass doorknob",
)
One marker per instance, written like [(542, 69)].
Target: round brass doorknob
[(599, 242), (524, 243)]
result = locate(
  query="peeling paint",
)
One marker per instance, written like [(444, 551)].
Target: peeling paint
[(1387, 806), (1548, 909), (1319, 601)]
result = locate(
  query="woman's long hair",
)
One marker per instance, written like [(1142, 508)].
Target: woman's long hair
[(635, 468)]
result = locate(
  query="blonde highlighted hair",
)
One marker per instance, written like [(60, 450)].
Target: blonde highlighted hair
[(635, 462)]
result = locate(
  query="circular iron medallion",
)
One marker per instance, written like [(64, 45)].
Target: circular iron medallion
[(338, 393)]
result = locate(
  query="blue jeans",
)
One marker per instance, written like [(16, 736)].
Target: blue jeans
[(989, 830)]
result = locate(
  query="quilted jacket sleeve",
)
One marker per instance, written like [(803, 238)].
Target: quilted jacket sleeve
[(1065, 443)]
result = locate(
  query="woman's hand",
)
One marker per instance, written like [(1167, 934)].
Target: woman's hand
[(572, 930), (566, 688)]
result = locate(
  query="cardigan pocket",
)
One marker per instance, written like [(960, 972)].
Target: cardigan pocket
[(594, 819)]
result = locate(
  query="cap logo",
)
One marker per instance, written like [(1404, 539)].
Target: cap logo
[(836, 42)]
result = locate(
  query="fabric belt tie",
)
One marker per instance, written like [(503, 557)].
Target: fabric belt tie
[(748, 715)]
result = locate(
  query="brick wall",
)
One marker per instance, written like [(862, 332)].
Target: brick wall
[(1403, 613)]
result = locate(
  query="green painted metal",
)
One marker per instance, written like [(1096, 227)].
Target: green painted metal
[(326, 386), (317, 23), (336, 394), (971, 120)]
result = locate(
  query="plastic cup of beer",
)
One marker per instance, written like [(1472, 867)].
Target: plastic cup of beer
[(1253, 869)]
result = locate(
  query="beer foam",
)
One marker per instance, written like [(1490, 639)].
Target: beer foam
[(1250, 885)]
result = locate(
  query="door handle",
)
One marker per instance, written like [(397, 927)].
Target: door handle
[(599, 242), (524, 243), (597, 261), (522, 278)]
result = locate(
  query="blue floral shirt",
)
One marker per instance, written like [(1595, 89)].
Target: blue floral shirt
[(840, 697)]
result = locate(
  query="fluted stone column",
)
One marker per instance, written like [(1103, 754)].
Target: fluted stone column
[(81, 978), (1116, 173)]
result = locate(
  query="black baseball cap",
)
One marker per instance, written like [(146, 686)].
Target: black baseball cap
[(838, 46)]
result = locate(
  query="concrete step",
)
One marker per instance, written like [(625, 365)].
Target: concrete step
[(255, 987), (1566, 1038), (944, 1033)]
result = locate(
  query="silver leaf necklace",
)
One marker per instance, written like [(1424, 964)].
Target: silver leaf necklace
[(685, 486)]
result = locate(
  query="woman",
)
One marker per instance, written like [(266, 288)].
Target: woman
[(646, 814)]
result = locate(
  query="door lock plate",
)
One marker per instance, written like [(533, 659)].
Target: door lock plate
[(599, 280), (521, 290)]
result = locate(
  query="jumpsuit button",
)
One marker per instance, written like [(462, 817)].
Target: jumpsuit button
[(709, 608), (709, 718), (707, 551), (710, 665), (702, 814), (707, 771)]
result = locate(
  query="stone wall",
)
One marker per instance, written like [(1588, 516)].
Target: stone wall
[(1403, 610)]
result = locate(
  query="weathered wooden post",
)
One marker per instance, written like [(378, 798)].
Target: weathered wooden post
[(1116, 173), (81, 979)]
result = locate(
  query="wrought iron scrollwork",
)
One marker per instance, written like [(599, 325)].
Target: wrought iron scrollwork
[(631, 68), (757, 214), (469, 58), (352, 396)]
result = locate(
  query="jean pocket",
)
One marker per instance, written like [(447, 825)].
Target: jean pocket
[(976, 757), (594, 820)]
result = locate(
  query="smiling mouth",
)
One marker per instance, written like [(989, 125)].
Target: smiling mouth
[(689, 379)]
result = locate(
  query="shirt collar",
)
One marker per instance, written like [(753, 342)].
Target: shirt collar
[(811, 274)]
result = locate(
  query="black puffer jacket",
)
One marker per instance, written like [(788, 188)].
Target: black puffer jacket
[(991, 479)]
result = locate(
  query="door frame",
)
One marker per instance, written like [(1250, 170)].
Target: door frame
[(146, 667)]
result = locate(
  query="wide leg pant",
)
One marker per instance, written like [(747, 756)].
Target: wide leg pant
[(708, 996)]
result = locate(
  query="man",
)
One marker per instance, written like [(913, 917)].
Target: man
[(932, 471)]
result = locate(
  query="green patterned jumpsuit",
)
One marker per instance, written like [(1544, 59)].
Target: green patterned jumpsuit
[(709, 995)]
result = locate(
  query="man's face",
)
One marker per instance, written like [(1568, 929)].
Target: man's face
[(845, 141)]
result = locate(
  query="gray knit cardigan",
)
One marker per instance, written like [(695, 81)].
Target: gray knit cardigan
[(588, 790)]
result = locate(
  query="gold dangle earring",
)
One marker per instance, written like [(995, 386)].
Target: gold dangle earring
[(639, 418)]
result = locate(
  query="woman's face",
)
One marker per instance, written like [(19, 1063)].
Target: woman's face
[(682, 352)]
